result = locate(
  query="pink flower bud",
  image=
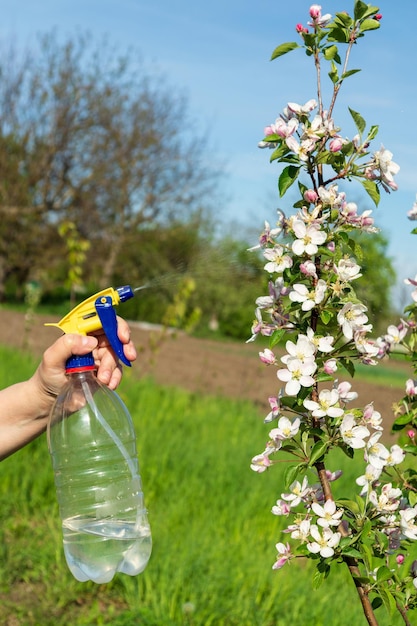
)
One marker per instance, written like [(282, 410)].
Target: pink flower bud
[(267, 356), (336, 144), (400, 558), (331, 246), (310, 196), (315, 11), (411, 433), (330, 366)]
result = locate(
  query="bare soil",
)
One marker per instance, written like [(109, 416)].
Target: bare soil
[(230, 369)]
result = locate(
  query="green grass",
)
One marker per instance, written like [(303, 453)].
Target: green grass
[(213, 532)]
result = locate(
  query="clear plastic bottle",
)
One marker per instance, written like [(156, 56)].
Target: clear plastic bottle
[(92, 444)]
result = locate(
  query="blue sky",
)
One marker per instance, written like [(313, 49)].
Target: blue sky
[(218, 52)]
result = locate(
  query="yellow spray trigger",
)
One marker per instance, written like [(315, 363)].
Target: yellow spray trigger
[(96, 313)]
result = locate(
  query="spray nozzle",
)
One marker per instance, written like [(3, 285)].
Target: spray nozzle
[(97, 312)]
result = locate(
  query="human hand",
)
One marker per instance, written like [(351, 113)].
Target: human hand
[(50, 375)]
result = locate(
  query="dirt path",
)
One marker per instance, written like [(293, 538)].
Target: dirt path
[(204, 366)]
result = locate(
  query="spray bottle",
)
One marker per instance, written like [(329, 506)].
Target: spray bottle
[(92, 444)]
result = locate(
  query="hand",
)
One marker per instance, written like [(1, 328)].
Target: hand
[(50, 375)]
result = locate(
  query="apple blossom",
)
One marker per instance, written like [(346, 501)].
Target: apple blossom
[(297, 374), (407, 523), (376, 453), (300, 529), (347, 270), (351, 434), (298, 492), (284, 554), (328, 514), (281, 508), (367, 480), (327, 404), (286, 429), (278, 260), (352, 317), (324, 543), (308, 238), (308, 299)]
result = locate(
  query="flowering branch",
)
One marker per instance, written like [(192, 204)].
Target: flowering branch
[(311, 258)]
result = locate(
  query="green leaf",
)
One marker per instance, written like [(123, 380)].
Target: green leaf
[(351, 552), (334, 74), (317, 451), (372, 190), (332, 53), (340, 35), (359, 10), (276, 337), (412, 498), (283, 49), (369, 25), (358, 119), (414, 231), (287, 178), (376, 603), (348, 365), (291, 474), (388, 600), (344, 19), (373, 131), (383, 573), (326, 316), (349, 73)]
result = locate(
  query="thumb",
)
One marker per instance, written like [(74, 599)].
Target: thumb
[(67, 346)]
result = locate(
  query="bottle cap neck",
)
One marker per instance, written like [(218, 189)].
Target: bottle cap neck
[(80, 363)]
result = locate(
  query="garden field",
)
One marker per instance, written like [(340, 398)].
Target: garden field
[(198, 409)]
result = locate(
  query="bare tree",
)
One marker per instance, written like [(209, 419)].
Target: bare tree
[(103, 143)]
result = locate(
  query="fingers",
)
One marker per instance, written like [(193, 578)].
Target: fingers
[(67, 345)]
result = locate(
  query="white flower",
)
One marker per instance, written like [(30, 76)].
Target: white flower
[(407, 523), (286, 429), (368, 479), (284, 553), (326, 404), (328, 515), (303, 350), (300, 530), (260, 463), (278, 261), (351, 434), (301, 109), (324, 543), (345, 393), (281, 508), (347, 270), (388, 500), (297, 493), (387, 167), (297, 375), (372, 417), (412, 214), (376, 454), (395, 456), (309, 299), (323, 344), (308, 238), (351, 318)]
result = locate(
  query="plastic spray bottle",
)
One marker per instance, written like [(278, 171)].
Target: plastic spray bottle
[(92, 444)]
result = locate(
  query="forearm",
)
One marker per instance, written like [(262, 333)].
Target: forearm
[(23, 415)]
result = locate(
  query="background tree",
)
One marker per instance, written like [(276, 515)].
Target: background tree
[(103, 144)]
